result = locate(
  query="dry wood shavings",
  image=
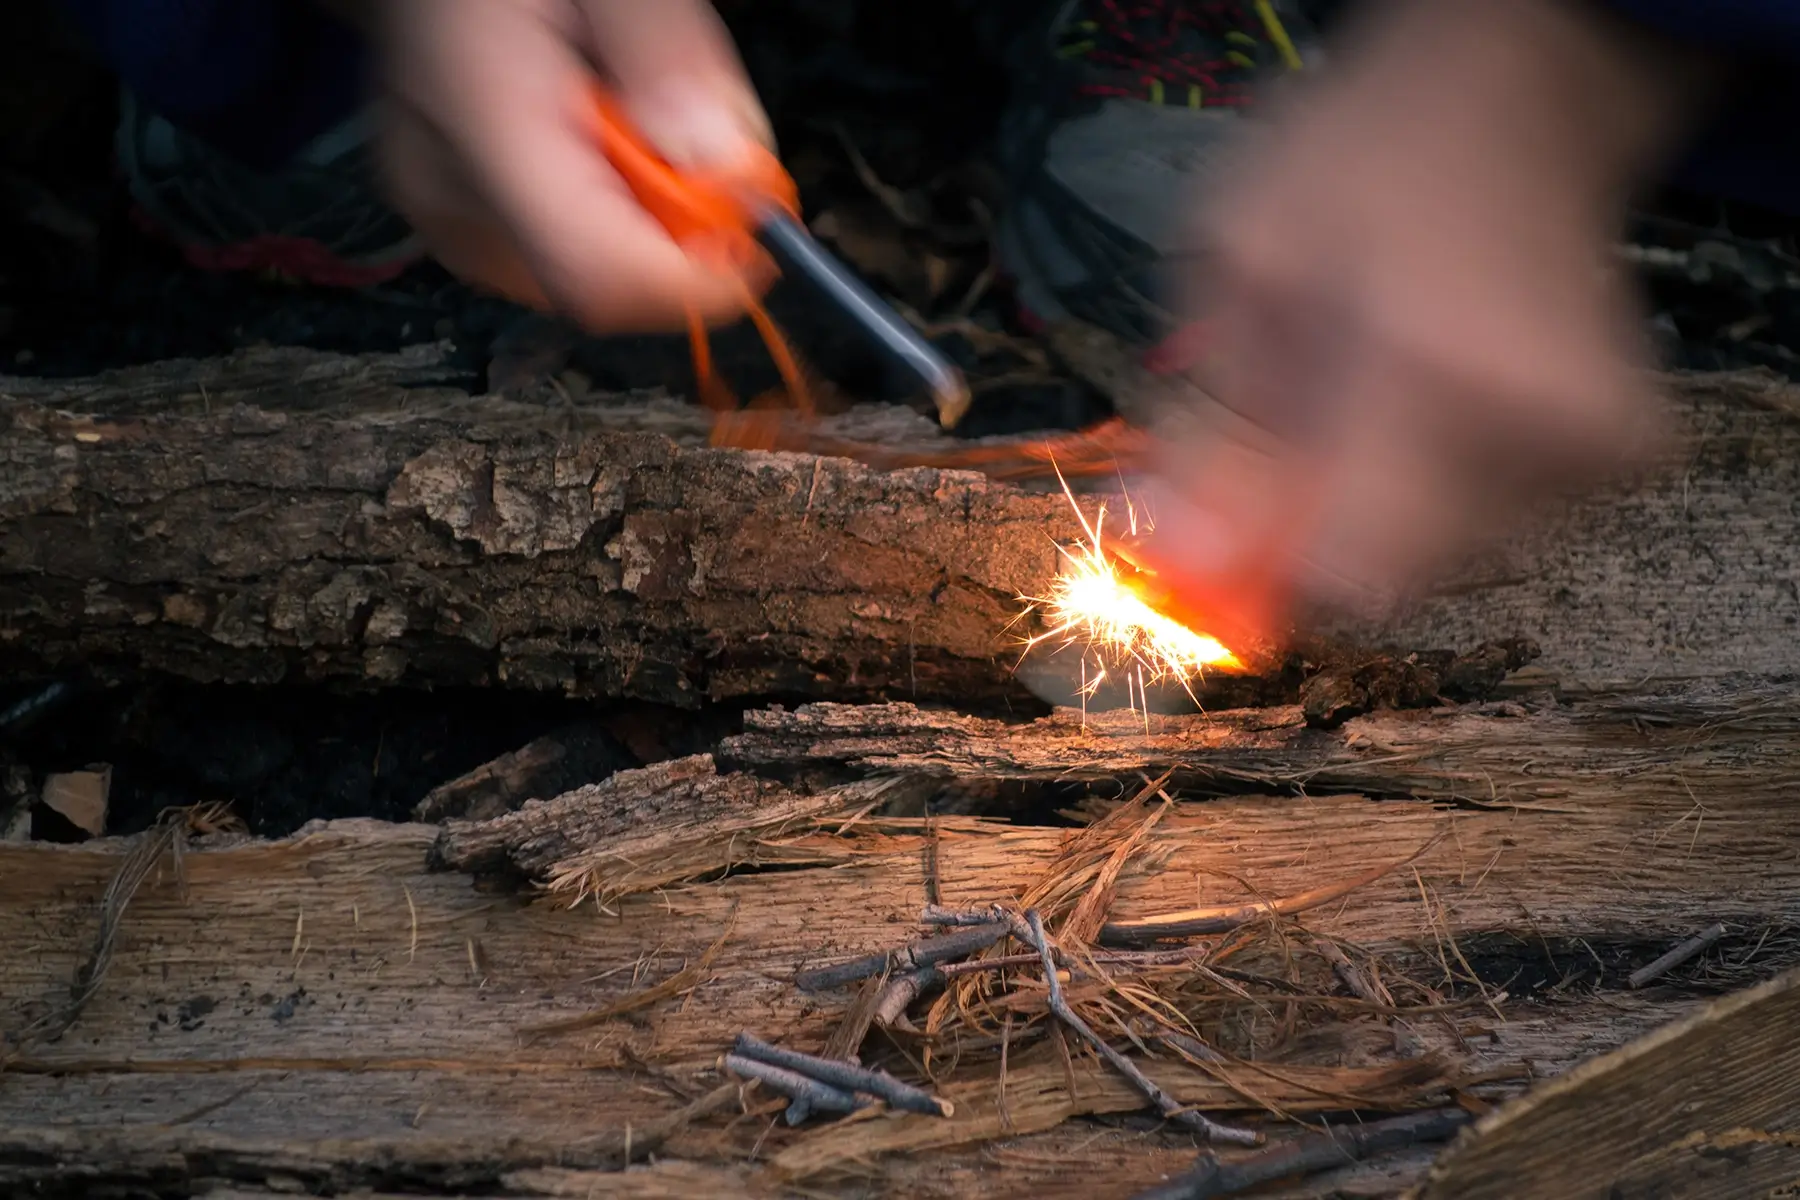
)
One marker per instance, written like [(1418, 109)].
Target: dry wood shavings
[(1222, 1004)]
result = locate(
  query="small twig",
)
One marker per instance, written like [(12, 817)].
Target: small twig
[(1674, 958), (899, 993), (977, 966), (1165, 1103), (937, 914), (808, 1095), (1107, 958), (846, 1040), (899, 205), (1309, 1154), (878, 1084), (1360, 985), (1365, 987), (924, 953)]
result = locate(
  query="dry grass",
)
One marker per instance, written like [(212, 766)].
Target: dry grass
[(1253, 1017)]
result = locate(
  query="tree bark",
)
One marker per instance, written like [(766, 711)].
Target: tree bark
[(283, 515), (291, 515)]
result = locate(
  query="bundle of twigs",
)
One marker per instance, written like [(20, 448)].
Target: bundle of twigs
[(1223, 989)]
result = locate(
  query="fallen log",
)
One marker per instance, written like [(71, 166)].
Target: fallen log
[(283, 514)]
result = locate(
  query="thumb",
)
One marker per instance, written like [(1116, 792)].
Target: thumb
[(674, 66)]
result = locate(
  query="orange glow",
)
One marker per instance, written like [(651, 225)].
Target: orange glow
[(1095, 604)]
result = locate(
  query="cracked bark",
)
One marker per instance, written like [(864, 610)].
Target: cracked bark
[(283, 515)]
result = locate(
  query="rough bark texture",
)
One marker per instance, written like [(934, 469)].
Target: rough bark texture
[(282, 514), (351, 1016), (644, 829)]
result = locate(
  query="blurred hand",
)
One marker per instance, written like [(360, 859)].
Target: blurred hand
[(1410, 324), (487, 149)]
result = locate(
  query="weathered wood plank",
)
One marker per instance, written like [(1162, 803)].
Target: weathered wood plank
[(644, 829), (235, 1021), (1707, 1107)]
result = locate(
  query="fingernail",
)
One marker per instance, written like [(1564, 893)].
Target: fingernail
[(696, 127)]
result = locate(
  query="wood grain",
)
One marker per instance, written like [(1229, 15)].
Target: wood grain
[(338, 964)]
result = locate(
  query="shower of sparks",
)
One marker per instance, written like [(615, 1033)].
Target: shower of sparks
[(1093, 605)]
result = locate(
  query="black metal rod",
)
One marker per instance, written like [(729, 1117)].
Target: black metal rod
[(798, 253)]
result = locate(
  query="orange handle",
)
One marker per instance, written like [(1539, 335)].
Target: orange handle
[(707, 212)]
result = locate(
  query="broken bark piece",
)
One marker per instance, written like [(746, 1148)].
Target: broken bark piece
[(547, 767), (493, 788), (1332, 697), (1479, 673), (1344, 690), (650, 827), (80, 797)]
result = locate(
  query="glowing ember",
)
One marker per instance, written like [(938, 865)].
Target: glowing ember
[(1093, 604)]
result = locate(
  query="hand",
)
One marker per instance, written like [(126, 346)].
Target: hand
[(487, 150), (1411, 327)]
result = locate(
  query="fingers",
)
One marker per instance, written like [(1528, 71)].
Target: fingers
[(492, 158), (466, 236), (674, 66)]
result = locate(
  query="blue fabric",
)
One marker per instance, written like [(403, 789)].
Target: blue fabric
[(258, 79)]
